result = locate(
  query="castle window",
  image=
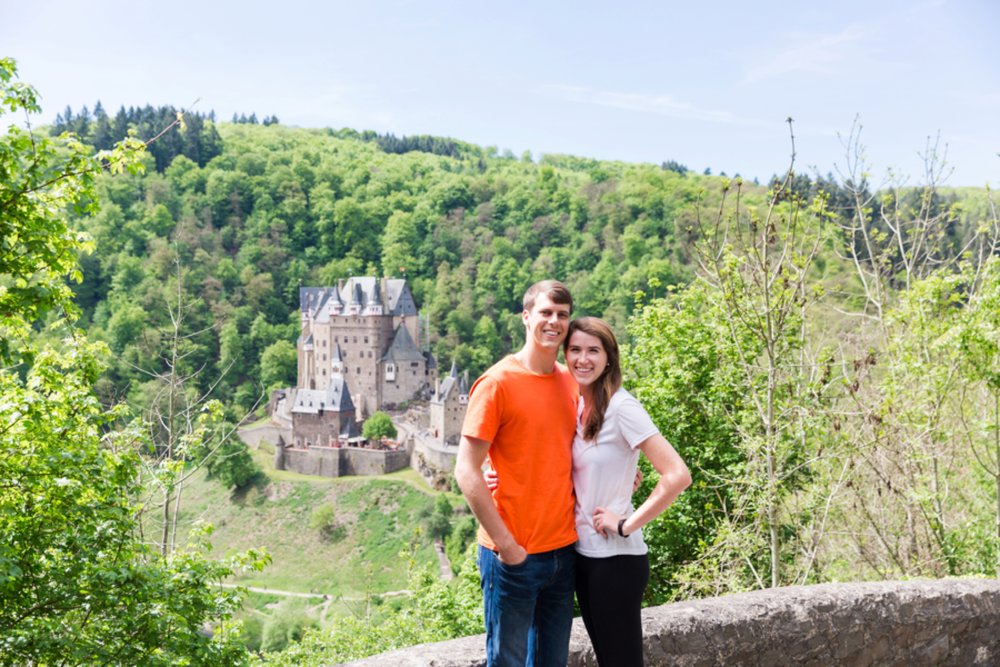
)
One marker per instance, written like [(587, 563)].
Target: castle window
[(366, 339), (369, 354), (358, 370), (355, 339)]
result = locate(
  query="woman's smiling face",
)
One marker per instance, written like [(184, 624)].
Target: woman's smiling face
[(585, 358)]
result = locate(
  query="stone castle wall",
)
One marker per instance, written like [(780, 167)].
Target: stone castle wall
[(912, 623), (339, 461), (358, 461), (270, 433)]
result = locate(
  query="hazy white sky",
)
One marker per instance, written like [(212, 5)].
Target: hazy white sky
[(708, 84)]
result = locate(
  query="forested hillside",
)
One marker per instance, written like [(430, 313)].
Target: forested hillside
[(279, 208), (275, 208), (825, 353)]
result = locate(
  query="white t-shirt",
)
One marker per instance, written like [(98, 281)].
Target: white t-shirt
[(604, 471)]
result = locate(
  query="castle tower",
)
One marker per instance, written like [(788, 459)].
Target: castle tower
[(447, 407), (323, 418)]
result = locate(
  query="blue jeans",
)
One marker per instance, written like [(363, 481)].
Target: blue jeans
[(529, 608)]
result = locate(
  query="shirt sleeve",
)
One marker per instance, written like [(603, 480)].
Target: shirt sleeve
[(634, 422), (482, 416)]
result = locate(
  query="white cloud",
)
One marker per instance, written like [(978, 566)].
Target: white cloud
[(660, 104), (812, 54)]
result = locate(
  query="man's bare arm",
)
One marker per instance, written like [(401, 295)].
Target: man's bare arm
[(469, 475)]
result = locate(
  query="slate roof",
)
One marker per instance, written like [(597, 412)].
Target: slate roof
[(454, 382), (393, 294), (335, 398), (403, 348)]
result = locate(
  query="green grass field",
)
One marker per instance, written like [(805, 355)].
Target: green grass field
[(379, 536)]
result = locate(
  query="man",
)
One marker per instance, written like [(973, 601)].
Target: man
[(522, 414)]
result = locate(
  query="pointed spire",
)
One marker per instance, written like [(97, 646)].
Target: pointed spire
[(336, 360)]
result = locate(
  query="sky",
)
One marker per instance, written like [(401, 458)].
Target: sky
[(705, 84)]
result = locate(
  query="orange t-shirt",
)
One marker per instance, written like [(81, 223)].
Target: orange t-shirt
[(529, 421)]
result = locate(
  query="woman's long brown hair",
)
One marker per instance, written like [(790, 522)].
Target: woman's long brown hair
[(610, 380)]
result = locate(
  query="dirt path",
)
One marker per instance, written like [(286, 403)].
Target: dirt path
[(445, 564), (313, 596)]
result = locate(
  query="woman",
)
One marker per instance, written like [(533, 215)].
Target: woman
[(612, 564)]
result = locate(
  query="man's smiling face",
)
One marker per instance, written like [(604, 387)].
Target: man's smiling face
[(546, 323)]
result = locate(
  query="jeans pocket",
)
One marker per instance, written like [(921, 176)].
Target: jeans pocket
[(513, 568)]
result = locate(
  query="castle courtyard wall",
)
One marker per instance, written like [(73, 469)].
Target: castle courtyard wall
[(340, 461)]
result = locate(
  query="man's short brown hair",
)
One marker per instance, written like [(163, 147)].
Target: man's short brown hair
[(555, 290)]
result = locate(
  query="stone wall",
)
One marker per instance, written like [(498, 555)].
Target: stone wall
[(339, 461), (270, 433), (440, 456), (359, 461), (913, 623), (322, 461)]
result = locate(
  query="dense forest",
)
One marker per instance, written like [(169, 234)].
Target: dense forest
[(824, 352), (278, 208)]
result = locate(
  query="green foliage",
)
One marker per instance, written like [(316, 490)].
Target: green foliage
[(39, 181), (280, 207), (285, 626), (324, 519), (459, 541), (681, 369), (379, 425), (278, 365), (196, 137), (79, 582), (439, 521), (436, 611), (719, 365), (231, 462)]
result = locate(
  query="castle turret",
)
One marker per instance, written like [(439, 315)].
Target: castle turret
[(373, 304), (355, 300), (447, 407)]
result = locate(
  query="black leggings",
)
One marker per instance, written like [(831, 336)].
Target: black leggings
[(609, 591)]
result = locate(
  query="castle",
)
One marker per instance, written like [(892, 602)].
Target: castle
[(364, 334), (360, 351)]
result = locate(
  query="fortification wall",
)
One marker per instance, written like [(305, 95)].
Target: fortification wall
[(323, 461), (264, 433), (940, 622), (339, 461), (359, 461), (441, 457)]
